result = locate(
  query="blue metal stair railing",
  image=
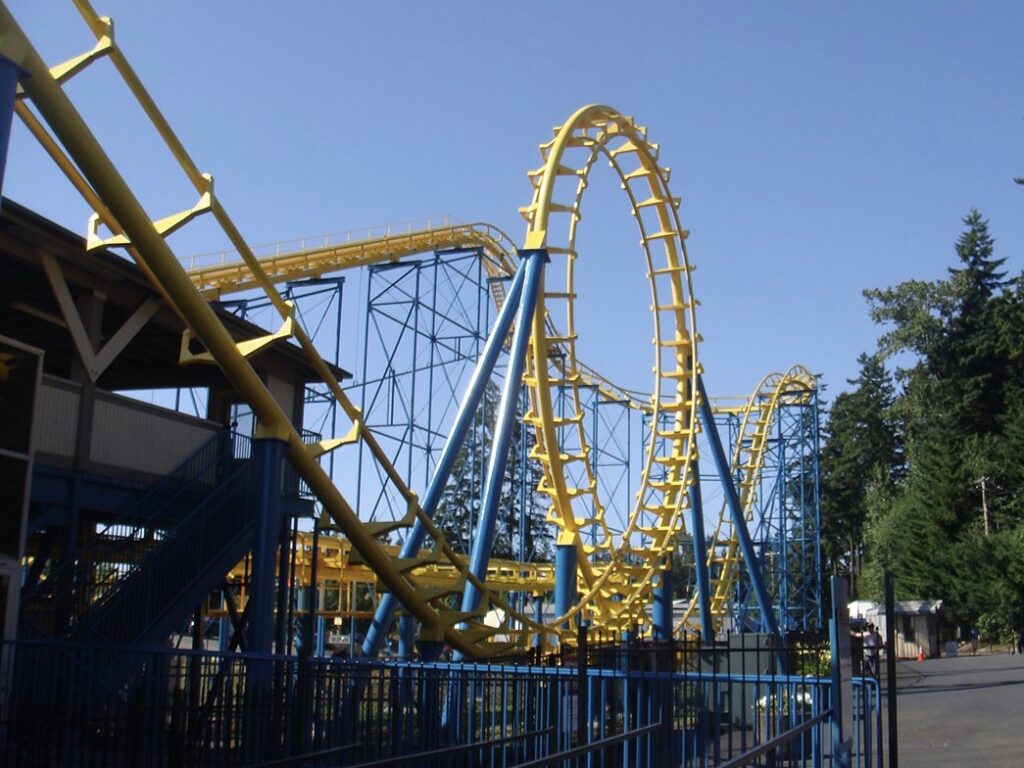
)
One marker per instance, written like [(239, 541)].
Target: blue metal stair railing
[(158, 593), (107, 556)]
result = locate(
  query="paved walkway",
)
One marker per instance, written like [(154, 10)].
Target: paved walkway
[(964, 711)]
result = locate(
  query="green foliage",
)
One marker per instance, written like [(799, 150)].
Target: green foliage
[(684, 578), (995, 628), (911, 473), (916, 310), (862, 447), (521, 511)]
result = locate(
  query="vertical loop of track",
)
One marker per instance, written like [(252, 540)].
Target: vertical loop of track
[(621, 565), (617, 566)]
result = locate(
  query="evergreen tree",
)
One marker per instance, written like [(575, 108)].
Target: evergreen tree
[(961, 414), (684, 574), (980, 271), (966, 360), (459, 511), (863, 442)]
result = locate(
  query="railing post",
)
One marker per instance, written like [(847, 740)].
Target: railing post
[(582, 694)]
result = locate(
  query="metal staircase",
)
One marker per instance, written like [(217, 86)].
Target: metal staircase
[(174, 576), (53, 607)]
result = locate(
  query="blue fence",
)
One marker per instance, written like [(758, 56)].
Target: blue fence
[(646, 706)]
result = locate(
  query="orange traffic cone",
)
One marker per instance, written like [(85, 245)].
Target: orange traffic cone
[(920, 654)]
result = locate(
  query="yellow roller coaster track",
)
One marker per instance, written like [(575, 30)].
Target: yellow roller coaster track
[(336, 566), (221, 274), (618, 562), (94, 175), (230, 275), (617, 567), (776, 390)]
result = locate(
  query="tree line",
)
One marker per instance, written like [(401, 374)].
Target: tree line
[(923, 458)]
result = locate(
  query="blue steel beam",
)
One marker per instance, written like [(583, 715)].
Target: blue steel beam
[(816, 469), (565, 579), (9, 75), (739, 522), (700, 557), (661, 609), (783, 536), (533, 264), (269, 455), (385, 613)]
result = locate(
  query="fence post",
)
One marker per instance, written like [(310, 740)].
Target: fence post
[(582, 694), (554, 688), (842, 685), (890, 668)]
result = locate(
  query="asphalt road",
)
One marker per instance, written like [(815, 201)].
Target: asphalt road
[(963, 711)]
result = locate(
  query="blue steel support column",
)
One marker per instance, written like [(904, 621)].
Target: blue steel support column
[(565, 579), (430, 650), (268, 455), (817, 515), (524, 513), (533, 263), (9, 74), (661, 612), (782, 492), (738, 521), (538, 616), (385, 613), (700, 556), (406, 631), (321, 637), (224, 631)]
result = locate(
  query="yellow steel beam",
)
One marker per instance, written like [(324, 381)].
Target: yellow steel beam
[(338, 563), (159, 261), (618, 569), (215, 280)]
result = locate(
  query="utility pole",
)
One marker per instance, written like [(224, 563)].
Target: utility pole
[(984, 502)]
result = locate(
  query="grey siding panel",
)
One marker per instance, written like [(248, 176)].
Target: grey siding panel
[(137, 436), (283, 394), (56, 417)]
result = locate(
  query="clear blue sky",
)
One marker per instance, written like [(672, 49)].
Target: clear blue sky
[(819, 148)]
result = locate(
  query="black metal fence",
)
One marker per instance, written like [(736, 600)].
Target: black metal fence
[(623, 705)]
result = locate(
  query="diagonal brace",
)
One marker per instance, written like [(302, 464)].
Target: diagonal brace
[(385, 613), (738, 520), (95, 362)]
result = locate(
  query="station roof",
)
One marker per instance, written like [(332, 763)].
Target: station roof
[(30, 312), (861, 608), (916, 607)]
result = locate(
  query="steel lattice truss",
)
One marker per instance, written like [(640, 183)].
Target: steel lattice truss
[(617, 495)]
